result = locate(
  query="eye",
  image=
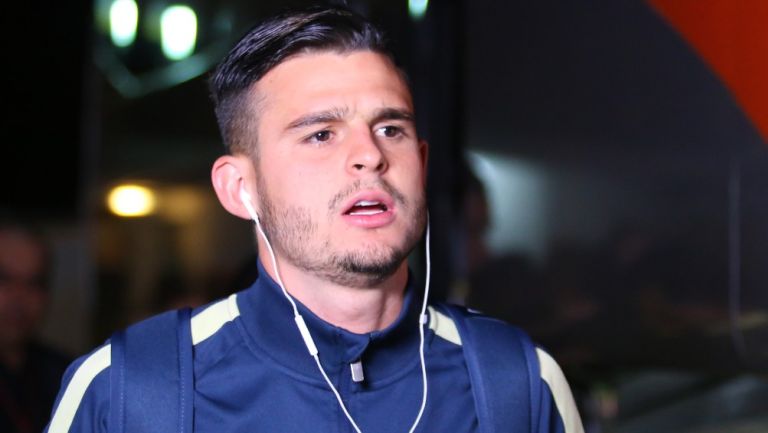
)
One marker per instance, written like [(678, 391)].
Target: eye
[(391, 131), (320, 136)]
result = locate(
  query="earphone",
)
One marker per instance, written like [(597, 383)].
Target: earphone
[(245, 197)]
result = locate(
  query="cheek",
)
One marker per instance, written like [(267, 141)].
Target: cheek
[(314, 182), (412, 170), (306, 189), (296, 171)]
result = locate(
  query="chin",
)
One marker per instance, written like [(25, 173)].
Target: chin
[(369, 267)]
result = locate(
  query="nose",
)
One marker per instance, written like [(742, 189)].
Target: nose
[(365, 155)]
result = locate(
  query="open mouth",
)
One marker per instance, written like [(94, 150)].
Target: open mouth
[(366, 207)]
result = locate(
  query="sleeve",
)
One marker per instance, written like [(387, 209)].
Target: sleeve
[(558, 413), (82, 405)]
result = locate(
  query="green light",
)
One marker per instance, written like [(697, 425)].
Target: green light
[(178, 31), (417, 8), (123, 20)]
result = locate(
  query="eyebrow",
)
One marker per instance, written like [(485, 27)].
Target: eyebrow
[(392, 114), (338, 114), (325, 116)]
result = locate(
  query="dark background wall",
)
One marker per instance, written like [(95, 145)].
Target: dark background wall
[(45, 50)]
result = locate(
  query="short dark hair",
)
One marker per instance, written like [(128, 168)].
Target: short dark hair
[(270, 43)]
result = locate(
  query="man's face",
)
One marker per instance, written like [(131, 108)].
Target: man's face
[(340, 171), (22, 295)]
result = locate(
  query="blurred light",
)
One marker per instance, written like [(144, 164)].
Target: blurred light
[(123, 20), (417, 8), (131, 201), (178, 31), (518, 195), (182, 204)]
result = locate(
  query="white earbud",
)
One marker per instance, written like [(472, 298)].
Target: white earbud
[(246, 199)]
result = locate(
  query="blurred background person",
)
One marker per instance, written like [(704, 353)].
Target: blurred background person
[(30, 372)]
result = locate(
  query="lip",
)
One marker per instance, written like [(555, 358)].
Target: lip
[(370, 221)]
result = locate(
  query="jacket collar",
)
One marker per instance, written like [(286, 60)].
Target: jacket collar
[(386, 354)]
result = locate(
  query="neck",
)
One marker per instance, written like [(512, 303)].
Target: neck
[(356, 309)]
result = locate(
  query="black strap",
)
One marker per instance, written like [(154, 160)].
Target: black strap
[(117, 383), (503, 369), (152, 376), (186, 371)]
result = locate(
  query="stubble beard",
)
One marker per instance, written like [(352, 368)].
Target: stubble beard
[(293, 235)]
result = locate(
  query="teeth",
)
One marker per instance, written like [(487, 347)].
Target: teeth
[(367, 207), (366, 212), (366, 203)]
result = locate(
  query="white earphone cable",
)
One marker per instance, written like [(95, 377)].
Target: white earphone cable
[(423, 322), (246, 198)]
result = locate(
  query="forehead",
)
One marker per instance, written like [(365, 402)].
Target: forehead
[(315, 80)]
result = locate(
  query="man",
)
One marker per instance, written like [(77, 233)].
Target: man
[(323, 154), (29, 371)]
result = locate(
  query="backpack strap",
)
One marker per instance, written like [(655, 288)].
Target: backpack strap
[(116, 421), (503, 370), (152, 376)]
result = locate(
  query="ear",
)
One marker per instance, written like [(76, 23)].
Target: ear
[(230, 174), (424, 153)]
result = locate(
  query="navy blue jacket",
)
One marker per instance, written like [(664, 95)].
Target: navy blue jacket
[(254, 374)]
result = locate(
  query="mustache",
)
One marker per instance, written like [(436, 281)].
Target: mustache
[(358, 185)]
